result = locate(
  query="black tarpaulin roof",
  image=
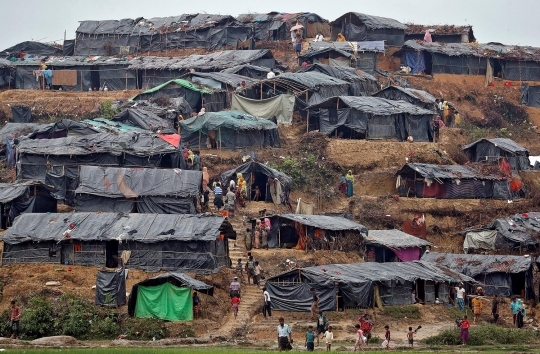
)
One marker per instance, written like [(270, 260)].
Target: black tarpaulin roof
[(146, 228), (139, 144), (447, 172), (490, 50), (114, 182), (394, 239), (235, 120), (209, 62), (374, 105), (290, 18), (226, 78), (145, 120), (315, 53), (373, 22), (475, 264), (325, 222), (421, 95), (73, 61), (10, 191), (239, 68), (181, 278), (502, 143), (521, 228), (367, 46), (35, 48), (256, 167), (310, 80), (5, 63), (340, 72)]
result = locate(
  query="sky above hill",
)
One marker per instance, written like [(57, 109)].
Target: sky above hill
[(504, 21)]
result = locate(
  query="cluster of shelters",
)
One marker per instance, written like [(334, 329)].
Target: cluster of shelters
[(363, 285), (516, 233), (502, 275), (151, 242), (452, 182), (359, 55), (135, 36), (495, 149), (370, 118), (275, 26), (360, 27), (491, 60)]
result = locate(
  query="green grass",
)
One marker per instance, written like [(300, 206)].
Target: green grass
[(402, 312), (485, 335)]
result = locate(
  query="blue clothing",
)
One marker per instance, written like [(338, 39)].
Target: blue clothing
[(283, 331), (515, 306), (218, 190), (310, 337), (47, 74), (350, 189), (460, 303)]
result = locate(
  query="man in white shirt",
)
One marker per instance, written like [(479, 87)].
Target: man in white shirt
[(284, 335), (460, 295), (271, 74), (267, 307), (319, 38)]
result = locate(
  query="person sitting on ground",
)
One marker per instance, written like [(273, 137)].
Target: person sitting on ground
[(341, 37)]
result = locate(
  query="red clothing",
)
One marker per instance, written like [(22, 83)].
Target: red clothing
[(365, 325), (235, 300), (465, 324), (15, 313)]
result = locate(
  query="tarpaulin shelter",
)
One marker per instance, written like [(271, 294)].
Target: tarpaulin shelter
[(492, 150), (363, 285), (21, 114), (154, 71), (361, 27), (505, 235), (279, 108), (62, 157), (32, 48), (293, 230), (275, 26), (225, 82), (507, 62), (135, 36), (77, 73), (145, 120), (370, 118), (451, 182), (393, 245), (142, 190), (167, 296), (530, 95), (24, 197), (169, 108), (328, 56), (364, 54), (229, 130), (252, 71), (7, 73), (111, 287), (198, 96), (440, 33), (151, 242), (419, 98), (308, 87), (258, 174), (360, 82), (502, 275)]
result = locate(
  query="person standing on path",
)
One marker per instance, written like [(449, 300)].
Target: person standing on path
[(329, 338), (15, 316), (250, 268), (366, 326), (514, 306), (465, 325), (284, 335), (460, 295), (218, 196), (267, 306), (235, 288), (314, 304), (322, 325), (495, 308), (477, 308), (257, 274), (359, 338), (231, 197), (350, 183), (387, 337)]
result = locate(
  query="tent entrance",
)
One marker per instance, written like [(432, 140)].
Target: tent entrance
[(94, 78), (428, 61), (347, 133), (111, 254), (260, 181), (67, 253), (497, 68), (518, 284)]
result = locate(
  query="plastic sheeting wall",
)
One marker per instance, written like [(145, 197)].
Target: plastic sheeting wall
[(444, 64), (520, 70), (117, 78), (530, 95), (146, 205)]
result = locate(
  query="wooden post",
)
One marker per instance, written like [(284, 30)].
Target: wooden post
[(261, 90), (199, 139), (307, 122), (82, 82), (219, 132), (126, 81)]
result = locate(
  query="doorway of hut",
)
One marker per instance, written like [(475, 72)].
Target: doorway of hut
[(259, 187), (111, 254), (518, 284), (347, 133)]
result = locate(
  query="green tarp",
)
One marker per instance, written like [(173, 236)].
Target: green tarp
[(180, 82), (165, 301), (281, 107)]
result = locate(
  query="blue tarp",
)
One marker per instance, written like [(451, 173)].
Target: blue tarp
[(415, 60)]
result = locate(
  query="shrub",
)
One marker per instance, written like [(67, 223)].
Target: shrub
[(145, 328), (105, 328), (37, 319), (75, 316), (107, 110), (483, 335)]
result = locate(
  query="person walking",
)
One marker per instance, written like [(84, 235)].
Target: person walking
[(257, 274), (460, 294), (322, 325), (359, 338), (514, 307), (250, 269), (231, 197), (284, 335), (314, 304), (495, 308), (267, 306), (15, 317), (329, 338), (350, 183), (218, 196), (465, 325), (235, 288), (366, 326)]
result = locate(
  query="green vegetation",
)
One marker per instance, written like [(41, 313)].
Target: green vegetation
[(107, 110), (308, 173), (145, 329), (402, 312), (484, 335)]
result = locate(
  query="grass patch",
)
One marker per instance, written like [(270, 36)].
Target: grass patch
[(484, 335), (454, 312), (402, 312)]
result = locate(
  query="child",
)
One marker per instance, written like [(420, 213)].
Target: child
[(239, 268), (310, 339), (410, 336), (465, 325), (257, 194), (386, 343), (359, 338), (235, 301), (329, 337)]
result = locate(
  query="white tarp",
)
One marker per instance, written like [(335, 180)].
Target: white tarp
[(484, 240), (281, 107)]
